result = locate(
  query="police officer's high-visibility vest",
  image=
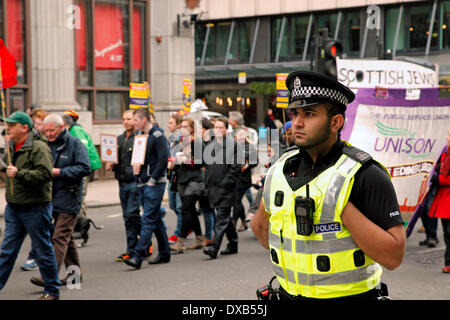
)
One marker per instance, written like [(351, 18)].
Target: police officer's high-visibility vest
[(327, 263)]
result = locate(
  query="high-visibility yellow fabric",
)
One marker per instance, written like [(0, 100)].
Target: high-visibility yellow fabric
[(296, 258)]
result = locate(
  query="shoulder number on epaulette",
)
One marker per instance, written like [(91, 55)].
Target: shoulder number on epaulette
[(357, 154)]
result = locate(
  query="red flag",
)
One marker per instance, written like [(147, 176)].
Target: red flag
[(9, 70)]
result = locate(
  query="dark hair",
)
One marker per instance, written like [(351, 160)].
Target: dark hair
[(177, 117), (143, 113), (224, 120), (190, 122), (334, 109), (206, 124)]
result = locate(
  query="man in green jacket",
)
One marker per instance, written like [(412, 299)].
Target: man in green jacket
[(70, 118), (29, 203)]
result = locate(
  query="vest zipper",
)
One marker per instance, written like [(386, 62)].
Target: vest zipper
[(281, 235)]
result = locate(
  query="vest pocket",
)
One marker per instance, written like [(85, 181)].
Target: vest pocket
[(323, 263), (359, 258)]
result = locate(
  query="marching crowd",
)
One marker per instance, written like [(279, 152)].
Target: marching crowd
[(206, 166), (51, 157)]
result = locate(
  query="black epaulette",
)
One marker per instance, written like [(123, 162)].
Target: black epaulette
[(356, 154)]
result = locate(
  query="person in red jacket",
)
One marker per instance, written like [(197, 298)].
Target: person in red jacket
[(440, 208)]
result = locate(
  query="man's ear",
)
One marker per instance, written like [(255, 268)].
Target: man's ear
[(337, 122)]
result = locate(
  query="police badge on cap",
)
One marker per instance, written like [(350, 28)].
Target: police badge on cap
[(310, 88)]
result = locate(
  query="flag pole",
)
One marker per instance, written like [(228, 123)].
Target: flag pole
[(2, 96)]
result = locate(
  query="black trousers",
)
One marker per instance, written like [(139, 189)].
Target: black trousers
[(190, 216), (238, 207), (446, 229), (224, 226)]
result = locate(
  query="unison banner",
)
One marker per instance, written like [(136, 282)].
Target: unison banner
[(406, 135)]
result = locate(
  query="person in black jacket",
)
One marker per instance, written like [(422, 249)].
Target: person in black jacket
[(190, 185), (151, 178), (128, 191), (70, 165), (222, 170), (248, 160)]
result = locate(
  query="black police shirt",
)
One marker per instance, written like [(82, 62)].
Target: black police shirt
[(372, 193)]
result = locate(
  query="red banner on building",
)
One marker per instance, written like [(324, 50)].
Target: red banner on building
[(109, 38), (15, 28), (137, 39), (109, 42), (80, 39)]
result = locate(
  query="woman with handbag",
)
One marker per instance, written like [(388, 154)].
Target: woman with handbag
[(190, 185)]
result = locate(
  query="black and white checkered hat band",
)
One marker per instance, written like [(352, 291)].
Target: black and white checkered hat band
[(308, 92)]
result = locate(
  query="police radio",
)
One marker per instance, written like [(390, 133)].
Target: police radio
[(304, 208)]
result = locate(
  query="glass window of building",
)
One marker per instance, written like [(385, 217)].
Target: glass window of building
[(391, 29), (352, 31), (200, 35), (418, 22), (326, 20), (241, 41), (293, 38), (110, 53), (217, 42), (276, 24), (14, 35), (444, 36)]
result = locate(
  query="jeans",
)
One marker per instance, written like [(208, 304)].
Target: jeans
[(430, 224), (35, 220), (249, 196), (175, 204), (129, 200), (152, 221)]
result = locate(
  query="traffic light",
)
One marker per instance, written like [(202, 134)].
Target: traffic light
[(327, 50), (332, 50)]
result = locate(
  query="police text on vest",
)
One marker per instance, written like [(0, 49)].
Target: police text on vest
[(327, 227)]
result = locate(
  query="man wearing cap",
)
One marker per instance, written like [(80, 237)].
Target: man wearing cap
[(329, 214), (29, 203)]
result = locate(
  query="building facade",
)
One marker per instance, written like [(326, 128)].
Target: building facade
[(262, 38), (83, 54)]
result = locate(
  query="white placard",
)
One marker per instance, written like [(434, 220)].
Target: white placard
[(359, 73), (139, 149), (108, 148)]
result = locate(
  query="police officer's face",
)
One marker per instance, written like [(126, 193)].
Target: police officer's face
[(310, 126)]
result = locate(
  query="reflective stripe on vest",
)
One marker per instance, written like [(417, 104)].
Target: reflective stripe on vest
[(268, 181), (328, 263)]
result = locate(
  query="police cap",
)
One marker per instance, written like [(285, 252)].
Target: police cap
[(309, 88)]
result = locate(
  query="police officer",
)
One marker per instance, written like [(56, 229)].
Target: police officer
[(329, 214)]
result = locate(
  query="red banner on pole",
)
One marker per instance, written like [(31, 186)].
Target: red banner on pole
[(8, 65)]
